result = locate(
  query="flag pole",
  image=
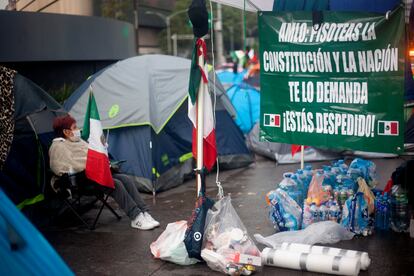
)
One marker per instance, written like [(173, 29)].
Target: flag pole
[(302, 156), (200, 125)]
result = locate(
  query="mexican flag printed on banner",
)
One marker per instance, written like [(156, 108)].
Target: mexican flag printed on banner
[(97, 161), (388, 128), (271, 120), (198, 76)]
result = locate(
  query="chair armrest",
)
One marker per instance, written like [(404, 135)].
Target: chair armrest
[(70, 181)]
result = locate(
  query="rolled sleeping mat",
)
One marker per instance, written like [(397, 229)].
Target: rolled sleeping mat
[(338, 265), (331, 251)]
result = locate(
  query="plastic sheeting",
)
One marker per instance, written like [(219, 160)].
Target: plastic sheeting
[(282, 152)]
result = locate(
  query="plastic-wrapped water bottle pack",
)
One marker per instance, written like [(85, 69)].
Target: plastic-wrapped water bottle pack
[(333, 193)]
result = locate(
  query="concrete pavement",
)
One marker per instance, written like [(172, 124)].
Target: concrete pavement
[(114, 248)]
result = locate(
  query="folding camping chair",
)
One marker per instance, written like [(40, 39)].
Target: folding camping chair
[(71, 188)]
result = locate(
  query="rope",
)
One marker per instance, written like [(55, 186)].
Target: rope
[(220, 193)]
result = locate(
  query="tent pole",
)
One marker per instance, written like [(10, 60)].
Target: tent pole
[(200, 126)]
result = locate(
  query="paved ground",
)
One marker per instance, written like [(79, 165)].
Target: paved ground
[(114, 248)]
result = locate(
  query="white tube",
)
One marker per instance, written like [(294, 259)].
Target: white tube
[(337, 265), (331, 251)]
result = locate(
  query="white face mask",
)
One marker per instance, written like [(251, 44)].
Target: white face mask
[(76, 135)]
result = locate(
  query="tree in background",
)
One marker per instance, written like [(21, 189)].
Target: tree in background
[(117, 9), (232, 23), (179, 25)]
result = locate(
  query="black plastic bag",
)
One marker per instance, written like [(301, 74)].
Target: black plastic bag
[(193, 239)]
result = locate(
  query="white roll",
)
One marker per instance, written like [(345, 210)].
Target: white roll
[(331, 251), (338, 265)]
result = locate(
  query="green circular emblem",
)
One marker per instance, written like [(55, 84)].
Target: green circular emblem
[(113, 111)]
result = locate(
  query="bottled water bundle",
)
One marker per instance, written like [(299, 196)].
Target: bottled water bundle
[(321, 195)]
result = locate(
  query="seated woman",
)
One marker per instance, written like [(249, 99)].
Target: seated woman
[(68, 155)]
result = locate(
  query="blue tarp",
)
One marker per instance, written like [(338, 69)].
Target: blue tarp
[(246, 101), (300, 5), (23, 250), (380, 6)]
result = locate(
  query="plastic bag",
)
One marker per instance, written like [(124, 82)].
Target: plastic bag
[(347, 182), (339, 167), (363, 168), (293, 186), (316, 194), (320, 232), (368, 194), (400, 215), (193, 238), (355, 215), (305, 177), (170, 245), (227, 247), (284, 213)]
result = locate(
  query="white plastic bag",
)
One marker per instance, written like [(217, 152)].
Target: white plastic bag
[(170, 245), (319, 232), (226, 246)]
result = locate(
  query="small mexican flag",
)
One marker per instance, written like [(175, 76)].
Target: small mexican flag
[(271, 120), (97, 161), (388, 128), (198, 78), (296, 148)]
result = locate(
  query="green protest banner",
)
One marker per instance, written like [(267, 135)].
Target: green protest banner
[(337, 84)]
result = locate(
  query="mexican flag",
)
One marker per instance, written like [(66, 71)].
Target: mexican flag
[(198, 79), (97, 161), (295, 149), (271, 120), (388, 128)]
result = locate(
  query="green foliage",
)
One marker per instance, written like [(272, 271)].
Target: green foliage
[(62, 93), (232, 23), (179, 25), (117, 9)]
